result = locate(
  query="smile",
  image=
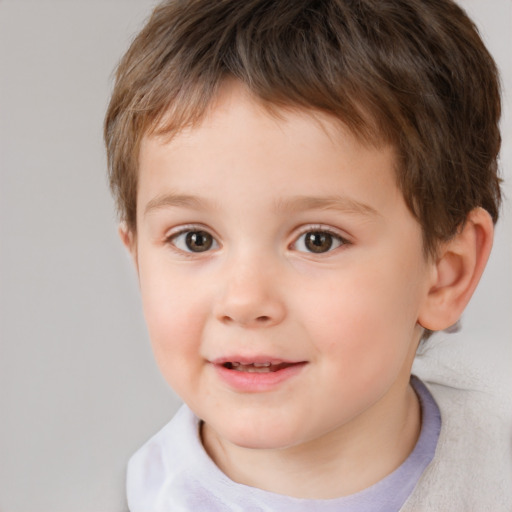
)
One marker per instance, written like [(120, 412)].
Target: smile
[(247, 375), (257, 367)]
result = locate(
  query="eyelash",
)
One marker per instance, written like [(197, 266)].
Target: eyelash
[(317, 229), (342, 241), (172, 237)]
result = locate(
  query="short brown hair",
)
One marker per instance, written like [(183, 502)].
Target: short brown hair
[(412, 73)]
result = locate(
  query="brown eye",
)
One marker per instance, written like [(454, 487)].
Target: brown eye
[(193, 241), (198, 241), (318, 242)]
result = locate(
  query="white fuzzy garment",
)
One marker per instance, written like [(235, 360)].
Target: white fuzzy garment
[(472, 467)]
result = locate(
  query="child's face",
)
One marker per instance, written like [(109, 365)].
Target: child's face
[(278, 240)]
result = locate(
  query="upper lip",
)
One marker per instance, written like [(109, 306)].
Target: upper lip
[(258, 359)]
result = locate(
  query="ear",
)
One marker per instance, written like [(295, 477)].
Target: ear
[(129, 240), (457, 271)]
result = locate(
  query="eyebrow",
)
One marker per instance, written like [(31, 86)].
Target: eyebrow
[(288, 205), (177, 200), (335, 202)]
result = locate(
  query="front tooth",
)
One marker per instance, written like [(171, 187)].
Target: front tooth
[(253, 369), (261, 365), (235, 364)]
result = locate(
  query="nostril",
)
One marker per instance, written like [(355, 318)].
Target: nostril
[(263, 319)]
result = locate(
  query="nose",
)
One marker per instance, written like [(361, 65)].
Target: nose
[(250, 296)]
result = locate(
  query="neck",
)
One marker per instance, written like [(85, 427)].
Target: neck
[(342, 462)]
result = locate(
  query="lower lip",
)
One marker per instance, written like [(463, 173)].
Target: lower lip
[(254, 382)]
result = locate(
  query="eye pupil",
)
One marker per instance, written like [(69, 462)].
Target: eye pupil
[(198, 241), (318, 241)]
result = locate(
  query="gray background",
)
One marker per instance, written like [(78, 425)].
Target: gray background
[(79, 390)]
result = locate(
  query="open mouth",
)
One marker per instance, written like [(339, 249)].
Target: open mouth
[(257, 375), (267, 367)]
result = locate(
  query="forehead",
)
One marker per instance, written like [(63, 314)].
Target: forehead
[(233, 98), (242, 145)]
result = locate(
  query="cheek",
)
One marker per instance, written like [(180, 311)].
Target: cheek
[(174, 319), (366, 318)]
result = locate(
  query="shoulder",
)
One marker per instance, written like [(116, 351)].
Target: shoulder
[(167, 456), (472, 466)]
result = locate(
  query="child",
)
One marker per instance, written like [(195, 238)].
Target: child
[(308, 190)]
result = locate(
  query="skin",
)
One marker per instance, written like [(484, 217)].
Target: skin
[(258, 183)]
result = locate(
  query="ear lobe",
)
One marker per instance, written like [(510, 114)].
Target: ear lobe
[(129, 240), (459, 266)]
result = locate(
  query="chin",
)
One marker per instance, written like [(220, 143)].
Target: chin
[(263, 437)]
